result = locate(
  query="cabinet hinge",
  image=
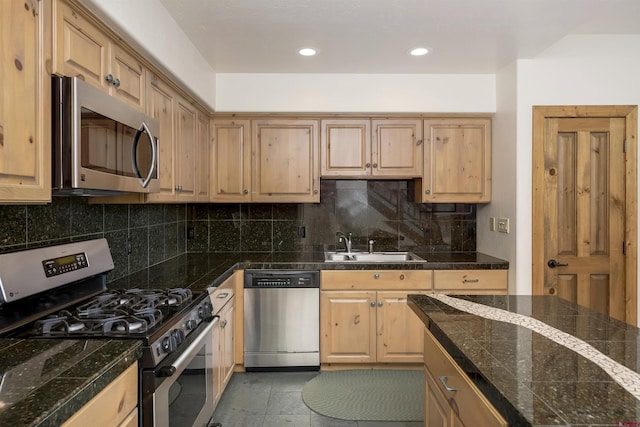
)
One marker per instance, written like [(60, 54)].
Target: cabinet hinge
[(624, 247)]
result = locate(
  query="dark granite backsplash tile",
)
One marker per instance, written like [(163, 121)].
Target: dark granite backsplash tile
[(224, 211), (256, 236), (200, 242), (155, 233), (224, 236), (286, 236)]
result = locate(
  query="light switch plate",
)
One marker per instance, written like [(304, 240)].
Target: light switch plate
[(503, 225)]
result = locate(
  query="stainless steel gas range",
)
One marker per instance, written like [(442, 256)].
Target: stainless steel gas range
[(61, 292)]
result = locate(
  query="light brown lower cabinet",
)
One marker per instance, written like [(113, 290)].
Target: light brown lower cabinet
[(451, 399), (115, 405), (371, 323), (224, 302)]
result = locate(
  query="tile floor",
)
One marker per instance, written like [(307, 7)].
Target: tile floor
[(274, 399)]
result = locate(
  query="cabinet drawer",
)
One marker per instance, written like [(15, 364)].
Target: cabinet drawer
[(467, 401), (376, 280), (467, 281)]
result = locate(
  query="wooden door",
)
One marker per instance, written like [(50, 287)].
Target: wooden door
[(130, 75), (185, 151), (231, 161), (397, 148), (203, 159), (161, 107), (345, 148), (80, 49), (347, 327), (457, 161), (584, 212), (286, 161), (400, 332), (553, 139), (25, 103)]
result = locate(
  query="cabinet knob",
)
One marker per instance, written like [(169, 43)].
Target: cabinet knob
[(375, 165), (379, 303), (402, 277), (427, 191), (368, 165), (109, 78), (376, 276), (178, 187), (245, 191), (116, 82), (373, 303), (419, 142), (315, 191)]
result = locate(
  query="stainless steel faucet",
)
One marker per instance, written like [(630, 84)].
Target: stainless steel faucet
[(346, 238), (371, 242)]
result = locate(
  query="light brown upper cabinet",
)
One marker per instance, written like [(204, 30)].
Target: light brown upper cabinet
[(350, 150), (285, 161), (203, 159), (25, 113), (82, 49), (231, 160), (177, 143), (457, 161)]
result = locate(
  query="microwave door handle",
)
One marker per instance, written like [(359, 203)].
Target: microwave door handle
[(144, 128)]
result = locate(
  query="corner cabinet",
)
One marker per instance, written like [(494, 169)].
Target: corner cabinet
[(231, 160), (350, 150), (177, 143), (286, 161), (364, 317), (82, 49), (25, 113), (457, 161)]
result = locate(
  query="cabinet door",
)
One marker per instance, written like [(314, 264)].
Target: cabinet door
[(218, 364), (25, 113), (129, 77), (345, 148), (185, 151), (437, 409), (397, 148), (457, 159), (286, 161), (231, 161), (203, 159), (228, 342), (400, 331), (347, 327), (161, 107), (80, 49)]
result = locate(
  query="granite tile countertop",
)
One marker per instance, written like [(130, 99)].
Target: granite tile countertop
[(45, 381), (530, 379), (199, 271)]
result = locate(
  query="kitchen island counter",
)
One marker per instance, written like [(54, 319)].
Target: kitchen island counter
[(530, 379), (45, 381)]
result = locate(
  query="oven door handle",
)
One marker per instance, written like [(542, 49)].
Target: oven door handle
[(169, 370)]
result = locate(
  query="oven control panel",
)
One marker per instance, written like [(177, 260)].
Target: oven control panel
[(65, 264)]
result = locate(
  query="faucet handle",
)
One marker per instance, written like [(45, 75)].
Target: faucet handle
[(371, 242)]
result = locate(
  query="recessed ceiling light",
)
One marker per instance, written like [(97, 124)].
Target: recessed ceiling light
[(419, 51), (307, 51)]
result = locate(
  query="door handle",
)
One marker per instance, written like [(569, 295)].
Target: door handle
[(552, 263)]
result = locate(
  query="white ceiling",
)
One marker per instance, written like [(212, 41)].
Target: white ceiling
[(373, 36)]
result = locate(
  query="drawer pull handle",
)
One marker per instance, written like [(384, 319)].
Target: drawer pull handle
[(470, 280), (443, 381), (223, 295)]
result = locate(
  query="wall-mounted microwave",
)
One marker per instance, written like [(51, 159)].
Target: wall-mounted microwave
[(101, 146)]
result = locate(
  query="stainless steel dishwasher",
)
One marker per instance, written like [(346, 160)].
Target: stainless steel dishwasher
[(281, 319)]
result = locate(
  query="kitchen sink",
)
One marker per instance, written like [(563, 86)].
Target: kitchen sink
[(352, 257)]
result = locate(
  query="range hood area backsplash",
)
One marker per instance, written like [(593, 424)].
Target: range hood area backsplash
[(143, 235)]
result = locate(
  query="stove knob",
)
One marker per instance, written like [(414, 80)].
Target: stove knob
[(169, 344), (205, 311), (191, 324), (178, 336)]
